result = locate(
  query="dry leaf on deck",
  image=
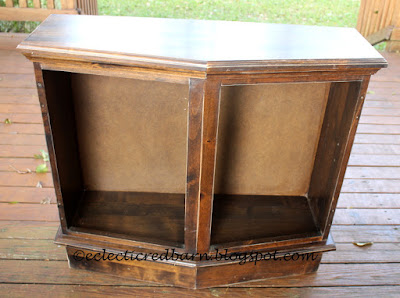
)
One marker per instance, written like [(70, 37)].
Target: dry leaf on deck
[(362, 244)]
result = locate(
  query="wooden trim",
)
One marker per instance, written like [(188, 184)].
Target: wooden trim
[(338, 120), (50, 143), (212, 94), (362, 91), (116, 70), (29, 14), (295, 77), (192, 199)]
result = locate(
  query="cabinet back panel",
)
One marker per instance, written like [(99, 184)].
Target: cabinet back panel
[(267, 137), (132, 133)]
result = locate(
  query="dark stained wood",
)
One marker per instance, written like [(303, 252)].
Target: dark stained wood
[(305, 261), (59, 125), (154, 271), (212, 92), (212, 276), (249, 218), (333, 141), (212, 46), (149, 217), (192, 198)]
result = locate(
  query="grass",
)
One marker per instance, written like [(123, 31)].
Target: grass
[(341, 13)]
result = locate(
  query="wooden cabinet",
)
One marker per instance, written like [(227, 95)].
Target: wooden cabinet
[(198, 137)]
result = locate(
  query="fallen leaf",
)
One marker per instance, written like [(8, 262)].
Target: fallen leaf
[(362, 244), (13, 202), (370, 92), (45, 155), (7, 121), (46, 200), (39, 185), (42, 168)]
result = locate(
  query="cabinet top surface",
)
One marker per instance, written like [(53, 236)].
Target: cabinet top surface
[(198, 42)]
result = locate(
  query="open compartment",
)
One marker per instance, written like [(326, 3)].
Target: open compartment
[(279, 150), (120, 146)]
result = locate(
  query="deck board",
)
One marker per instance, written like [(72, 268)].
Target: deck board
[(368, 209)]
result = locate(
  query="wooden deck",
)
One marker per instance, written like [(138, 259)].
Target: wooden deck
[(368, 210)]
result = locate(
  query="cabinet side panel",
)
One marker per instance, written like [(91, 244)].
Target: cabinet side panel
[(339, 115), (62, 123)]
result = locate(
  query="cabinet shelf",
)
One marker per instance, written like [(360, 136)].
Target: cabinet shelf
[(149, 217), (260, 219)]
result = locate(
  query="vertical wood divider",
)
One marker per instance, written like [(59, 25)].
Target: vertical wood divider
[(192, 198), (212, 92)]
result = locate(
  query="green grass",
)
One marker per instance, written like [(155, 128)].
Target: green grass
[(341, 13)]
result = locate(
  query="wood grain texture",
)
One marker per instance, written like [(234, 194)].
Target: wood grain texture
[(212, 93), (192, 198), (147, 217), (360, 222), (338, 118), (210, 44)]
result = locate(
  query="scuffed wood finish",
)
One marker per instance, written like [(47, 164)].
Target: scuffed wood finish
[(127, 120), (359, 93), (212, 93), (192, 198), (211, 46), (340, 110), (200, 276)]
